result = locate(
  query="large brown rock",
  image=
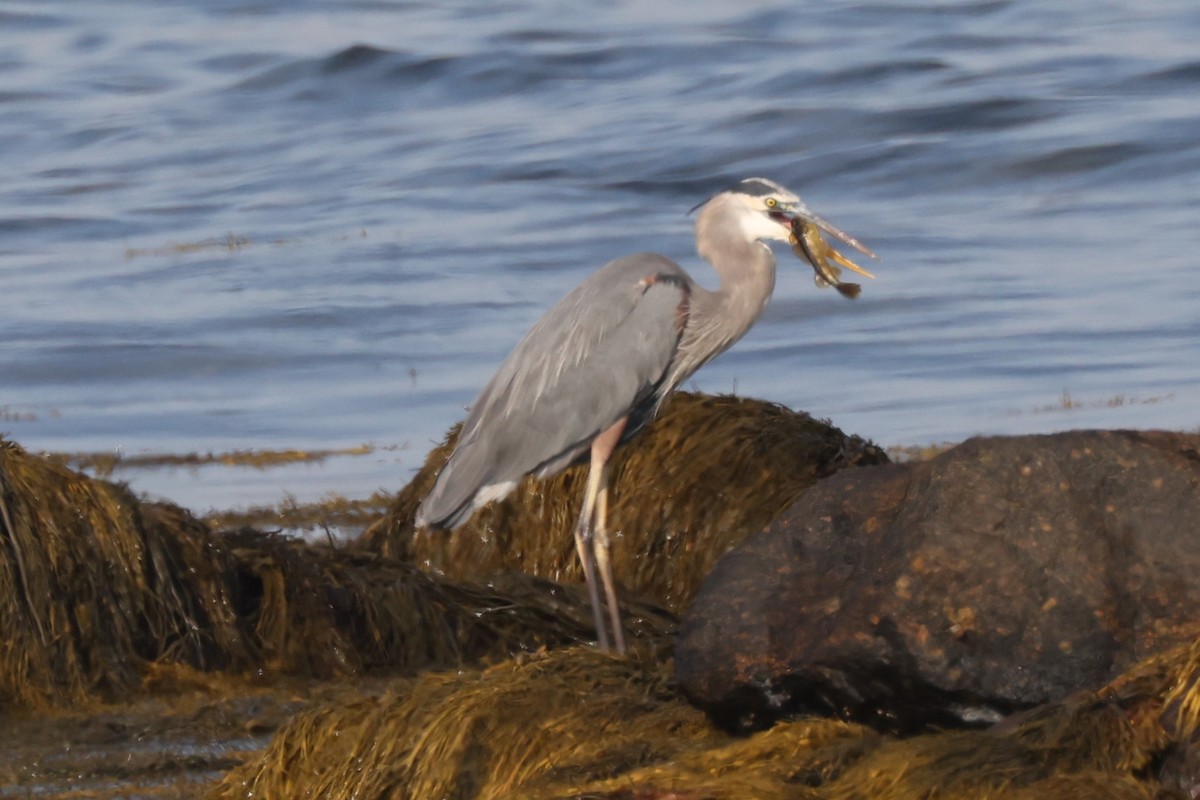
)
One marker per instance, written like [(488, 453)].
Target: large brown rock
[(1004, 573)]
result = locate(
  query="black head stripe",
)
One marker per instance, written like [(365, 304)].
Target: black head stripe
[(756, 187)]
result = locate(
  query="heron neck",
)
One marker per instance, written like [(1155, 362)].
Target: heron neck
[(718, 319), (746, 270)]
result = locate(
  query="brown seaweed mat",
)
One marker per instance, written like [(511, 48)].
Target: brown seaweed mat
[(707, 473), (97, 589), (577, 723)]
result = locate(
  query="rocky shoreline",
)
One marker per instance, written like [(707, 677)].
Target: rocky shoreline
[(1015, 617)]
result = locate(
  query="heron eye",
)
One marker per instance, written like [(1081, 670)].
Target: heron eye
[(772, 202)]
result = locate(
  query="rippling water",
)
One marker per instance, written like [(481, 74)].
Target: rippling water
[(232, 224)]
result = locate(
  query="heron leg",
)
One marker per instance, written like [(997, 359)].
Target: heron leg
[(585, 546), (602, 450), (603, 560)]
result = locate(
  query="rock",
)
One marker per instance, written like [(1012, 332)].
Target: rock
[(1004, 573)]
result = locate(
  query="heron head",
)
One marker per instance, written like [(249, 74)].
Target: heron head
[(766, 211)]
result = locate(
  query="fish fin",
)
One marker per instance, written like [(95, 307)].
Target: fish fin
[(849, 290)]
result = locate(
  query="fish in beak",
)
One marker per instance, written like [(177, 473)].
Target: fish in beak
[(809, 245)]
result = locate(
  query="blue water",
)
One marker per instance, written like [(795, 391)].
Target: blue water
[(229, 224)]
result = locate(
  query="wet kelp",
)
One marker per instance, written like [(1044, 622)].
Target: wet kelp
[(578, 723), (94, 585), (699, 479), (577, 713), (99, 590)]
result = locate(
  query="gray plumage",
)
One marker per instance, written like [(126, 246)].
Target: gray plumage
[(599, 364), (600, 352)]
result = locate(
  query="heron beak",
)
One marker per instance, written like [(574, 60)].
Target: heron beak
[(804, 213)]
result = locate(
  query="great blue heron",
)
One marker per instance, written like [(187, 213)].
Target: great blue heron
[(599, 364)]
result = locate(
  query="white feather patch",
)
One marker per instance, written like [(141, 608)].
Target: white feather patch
[(493, 491)]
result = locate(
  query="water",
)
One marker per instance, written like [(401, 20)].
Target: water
[(236, 224)]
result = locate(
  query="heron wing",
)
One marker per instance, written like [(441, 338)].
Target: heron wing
[(597, 355)]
